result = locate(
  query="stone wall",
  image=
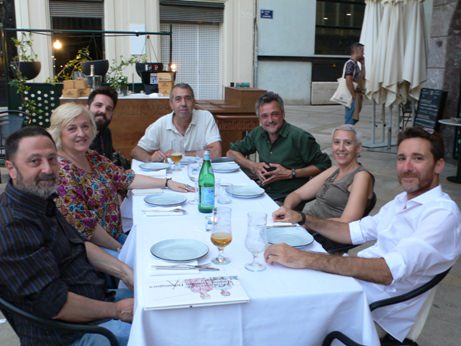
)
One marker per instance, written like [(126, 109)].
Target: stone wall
[(444, 58)]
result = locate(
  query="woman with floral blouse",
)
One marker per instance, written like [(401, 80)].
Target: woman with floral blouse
[(90, 185)]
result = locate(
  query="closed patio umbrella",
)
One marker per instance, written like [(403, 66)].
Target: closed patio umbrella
[(369, 38), (398, 56), (415, 63)]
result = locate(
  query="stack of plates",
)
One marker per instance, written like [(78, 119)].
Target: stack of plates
[(225, 167), (154, 166), (245, 191), (291, 235), (166, 199), (188, 159)]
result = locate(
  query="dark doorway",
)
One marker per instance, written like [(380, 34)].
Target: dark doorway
[(72, 42)]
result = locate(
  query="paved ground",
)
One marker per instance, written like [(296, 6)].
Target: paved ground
[(442, 327)]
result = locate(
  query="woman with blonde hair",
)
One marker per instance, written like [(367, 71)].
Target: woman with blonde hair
[(90, 185), (343, 192)]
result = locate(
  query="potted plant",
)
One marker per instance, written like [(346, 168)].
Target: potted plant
[(25, 64), (72, 66), (116, 77)]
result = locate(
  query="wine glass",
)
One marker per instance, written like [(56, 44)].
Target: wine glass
[(255, 240), (193, 171), (177, 152), (221, 235)]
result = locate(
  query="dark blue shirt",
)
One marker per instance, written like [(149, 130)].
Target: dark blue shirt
[(42, 258)]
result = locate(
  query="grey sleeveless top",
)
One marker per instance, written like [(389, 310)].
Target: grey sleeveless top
[(332, 198)]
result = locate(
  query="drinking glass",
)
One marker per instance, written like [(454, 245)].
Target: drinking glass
[(193, 171), (221, 195), (255, 240), (221, 235), (177, 152)]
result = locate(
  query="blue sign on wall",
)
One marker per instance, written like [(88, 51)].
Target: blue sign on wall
[(268, 14)]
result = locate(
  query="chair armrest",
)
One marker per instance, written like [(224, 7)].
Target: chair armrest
[(341, 337), (412, 294), (55, 324)]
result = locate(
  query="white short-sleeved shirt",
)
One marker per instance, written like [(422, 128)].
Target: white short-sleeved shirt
[(418, 238), (201, 132)]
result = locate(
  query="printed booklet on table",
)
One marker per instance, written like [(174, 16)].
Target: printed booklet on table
[(185, 291)]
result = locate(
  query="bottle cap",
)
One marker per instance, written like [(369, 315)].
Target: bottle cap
[(206, 155)]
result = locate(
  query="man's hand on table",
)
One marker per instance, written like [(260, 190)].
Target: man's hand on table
[(159, 156), (124, 310), (284, 214), (286, 255)]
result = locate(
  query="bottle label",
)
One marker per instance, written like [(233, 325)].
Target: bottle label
[(207, 197)]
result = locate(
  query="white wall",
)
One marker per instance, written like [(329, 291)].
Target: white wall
[(36, 15), (291, 80), (291, 33), (238, 41), (119, 15)]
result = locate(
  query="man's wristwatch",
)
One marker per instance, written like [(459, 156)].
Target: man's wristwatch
[(293, 173), (303, 219)]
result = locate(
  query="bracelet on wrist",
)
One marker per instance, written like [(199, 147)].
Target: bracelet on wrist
[(166, 181), (303, 219)]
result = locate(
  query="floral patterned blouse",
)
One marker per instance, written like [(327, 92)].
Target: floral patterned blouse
[(88, 198)]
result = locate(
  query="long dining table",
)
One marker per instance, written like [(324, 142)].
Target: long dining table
[(286, 307)]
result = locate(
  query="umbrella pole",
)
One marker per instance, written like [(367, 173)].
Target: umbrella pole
[(389, 130), (383, 120), (373, 123)]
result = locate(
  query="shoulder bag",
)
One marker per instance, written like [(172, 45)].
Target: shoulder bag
[(342, 94)]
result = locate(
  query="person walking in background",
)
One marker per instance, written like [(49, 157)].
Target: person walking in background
[(355, 76)]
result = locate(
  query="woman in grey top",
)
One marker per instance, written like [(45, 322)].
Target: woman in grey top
[(344, 192)]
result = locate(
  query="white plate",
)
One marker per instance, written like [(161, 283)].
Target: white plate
[(188, 159), (165, 199), (225, 167), (222, 159), (245, 191), (179, 249), (154, 166), (291, 235)]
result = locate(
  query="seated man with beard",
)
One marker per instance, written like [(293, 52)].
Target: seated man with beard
[(47, 267), (102, 103)]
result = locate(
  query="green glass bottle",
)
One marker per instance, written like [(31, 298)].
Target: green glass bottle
[(206, 185)]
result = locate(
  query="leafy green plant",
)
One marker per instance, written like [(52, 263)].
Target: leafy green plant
[(24, 47), (116, 77), (25, 54), (73, 65)]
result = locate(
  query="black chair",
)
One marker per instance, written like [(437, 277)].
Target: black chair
[(10, 121), (385, 302), (7, 307), (335, 248)]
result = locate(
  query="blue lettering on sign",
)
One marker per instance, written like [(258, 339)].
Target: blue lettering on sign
[(268, 14)]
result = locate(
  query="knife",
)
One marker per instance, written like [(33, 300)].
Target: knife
[(186, 267)]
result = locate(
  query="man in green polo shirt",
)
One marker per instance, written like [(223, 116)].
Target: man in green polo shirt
[(288, 155)]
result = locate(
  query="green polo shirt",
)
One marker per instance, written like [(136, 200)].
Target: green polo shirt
[(295, 148)]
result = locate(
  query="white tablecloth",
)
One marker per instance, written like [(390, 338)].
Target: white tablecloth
[(287, 306)]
